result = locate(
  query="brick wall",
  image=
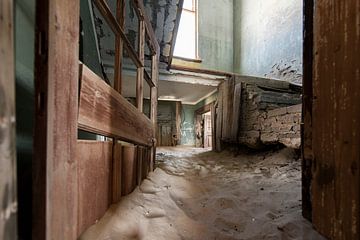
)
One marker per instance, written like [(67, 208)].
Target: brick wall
[(269, 117)]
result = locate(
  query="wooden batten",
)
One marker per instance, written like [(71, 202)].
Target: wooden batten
[(94, 178), (116, 172), (140, 70), (120, 17), (102, 110)]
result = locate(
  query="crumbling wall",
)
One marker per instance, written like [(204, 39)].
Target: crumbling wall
[(269, 117), (258, 112)]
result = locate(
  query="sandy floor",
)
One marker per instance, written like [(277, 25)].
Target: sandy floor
[(195, 194)]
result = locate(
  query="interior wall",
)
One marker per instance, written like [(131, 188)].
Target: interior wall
[(188, 125), (215, 36), (268, 38), (24, 57)]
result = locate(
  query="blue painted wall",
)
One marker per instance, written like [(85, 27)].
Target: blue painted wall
[(268, 38)]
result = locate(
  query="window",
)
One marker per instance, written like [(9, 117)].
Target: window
[(186, 41)]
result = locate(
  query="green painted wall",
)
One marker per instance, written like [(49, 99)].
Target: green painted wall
[(215, 36), (24, 68), (188, 125)]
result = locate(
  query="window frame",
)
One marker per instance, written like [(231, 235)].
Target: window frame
[(194, 11)]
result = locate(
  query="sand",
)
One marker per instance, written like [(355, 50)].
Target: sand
[(197, 194)]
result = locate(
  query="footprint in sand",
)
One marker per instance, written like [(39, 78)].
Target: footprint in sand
[(155, 213), (228, 227), (224, 203)]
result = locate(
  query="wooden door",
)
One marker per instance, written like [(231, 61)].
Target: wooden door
[(164, 137), (336, 119), (8, 198), (207, 131)]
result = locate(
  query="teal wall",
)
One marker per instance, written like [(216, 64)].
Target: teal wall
[(268, 38), (24, 68), (188, 120), (215, 36), (188, 125)]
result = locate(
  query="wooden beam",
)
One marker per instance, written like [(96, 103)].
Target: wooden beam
[(8, 190), (120, 16), (140, 70), (116, 28), (204, 109), (175, 31), (201, 70), (104, 111), (94, 178), (55, 187)]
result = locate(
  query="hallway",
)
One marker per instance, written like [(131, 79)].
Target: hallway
[(196, 194)]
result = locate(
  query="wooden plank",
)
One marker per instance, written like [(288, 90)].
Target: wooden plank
[(201, 70), (116, 28), (94, 178), (219, 117), (225, 108), (8, 190), (55, 202), (129, 169), (336, 117), (306, 126), (116, 172), (236, 113), (154, 103), (120, 16), (140, 70), (104, 111), (140, 159)]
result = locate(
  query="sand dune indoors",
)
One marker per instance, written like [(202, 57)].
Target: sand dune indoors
[(195, 194)]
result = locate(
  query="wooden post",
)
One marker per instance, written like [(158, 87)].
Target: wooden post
[(55, 186), (8, 191), (120, 16), (154, 103), (140, 70)]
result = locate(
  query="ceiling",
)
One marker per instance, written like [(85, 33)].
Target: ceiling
[(163, 15)]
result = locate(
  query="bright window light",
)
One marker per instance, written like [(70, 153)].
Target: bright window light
[(186, 37)]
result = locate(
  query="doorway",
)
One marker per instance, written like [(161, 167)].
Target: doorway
[(205, 126)]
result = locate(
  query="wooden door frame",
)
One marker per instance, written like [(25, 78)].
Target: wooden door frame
[(204, 109), (8, 189), (307, 99)]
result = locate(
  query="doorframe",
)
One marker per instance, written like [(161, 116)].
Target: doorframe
[(204, 109), (307, 100)]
